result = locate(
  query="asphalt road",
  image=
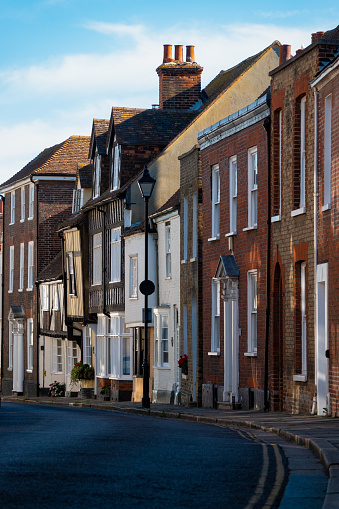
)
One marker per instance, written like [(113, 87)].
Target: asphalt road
[(79, 458)]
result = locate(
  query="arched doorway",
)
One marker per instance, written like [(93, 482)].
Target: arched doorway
[(277, 343)]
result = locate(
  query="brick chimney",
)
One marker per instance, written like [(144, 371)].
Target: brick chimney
[(179, 81)]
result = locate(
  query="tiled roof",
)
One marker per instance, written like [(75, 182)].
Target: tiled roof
[(85, 176), (331, 34), (99, 135), (225, 78), (53, 270), (59, 159), (172, 203), (149, 127)]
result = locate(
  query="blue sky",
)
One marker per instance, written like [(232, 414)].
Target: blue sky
[(65, 62)]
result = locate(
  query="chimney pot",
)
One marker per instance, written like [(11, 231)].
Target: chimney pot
[(167, 53), (189, 53), (320, 35), (178, 51), (284, 53)]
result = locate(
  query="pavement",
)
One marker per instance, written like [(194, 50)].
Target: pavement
[(317, 433)]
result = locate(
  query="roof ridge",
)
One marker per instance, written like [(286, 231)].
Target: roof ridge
[(61, 146)]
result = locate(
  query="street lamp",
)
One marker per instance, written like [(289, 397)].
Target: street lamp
[(146, 185)]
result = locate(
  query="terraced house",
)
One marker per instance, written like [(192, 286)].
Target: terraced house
[(37, 199)]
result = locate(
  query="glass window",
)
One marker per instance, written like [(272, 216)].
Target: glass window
[(70, 258), (168, 249), (97, 259), (215, 202), (22, 266), (252, 187), (133, 288), (12, 207), (11, 268), (233, 194), (30, 264), (31, 202), (252, 310), (23, 200), (30, 344), (215, 346), (115, 254)]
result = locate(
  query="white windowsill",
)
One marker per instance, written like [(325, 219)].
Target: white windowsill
[(214, 354), (30, 218), (193, 260), (10, 291), (183, 262), (214, 238), (133, 298), (9, 369), (300, 378), (250, 354), (20, 289), (29, 370), (249, 228), (10, 224), (326, 207), (168, 277), (22, 220), (231, 234), (29, 289), (163, 368), (275, 219), (298, 212)]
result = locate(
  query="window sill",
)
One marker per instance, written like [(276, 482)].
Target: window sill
[(73, 296), (163, 368), (30, 218), (113, 282), (22, 220), (29, 289), (183, 262), (20, 289), (96, 284), (249, 228), (9, 369), (276, 219), (326, 207), (212, 239), (168, 278), (300, 378), (214, 354), (11, 224), (10, 291), (192, 260), (298, 212), (250, 354), (231, 234), (133, 298), (29, 370)]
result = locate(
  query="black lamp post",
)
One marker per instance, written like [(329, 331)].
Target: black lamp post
[(146, 185)]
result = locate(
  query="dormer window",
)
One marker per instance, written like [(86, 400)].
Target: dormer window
[(97, 172), (115, 169)]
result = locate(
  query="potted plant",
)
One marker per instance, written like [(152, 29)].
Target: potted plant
[(57, 389), (105, 392), (183, 364), (82, 372)]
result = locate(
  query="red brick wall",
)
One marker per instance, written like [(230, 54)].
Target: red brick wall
[(179, 85)]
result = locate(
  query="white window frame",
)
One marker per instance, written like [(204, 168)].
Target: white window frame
[(215, 326), (30, 263), (161, 338), (101, 347), (12, 207), (78, 200), (10, 345), (194, 226), (215, 202), (233, 174), (185, 228), (87, 348), (30, 344), (11, 268), (168, 250), (133, 277), (71, 273), (252, 311), (115, 255), (252, 187), (45, 297), (22, 266), (72, 355), (116, 164), (97, 259), (303, 152), (327, 151), (31, 202), (23, 204), (57, 356), (56, 299), (97, 175)]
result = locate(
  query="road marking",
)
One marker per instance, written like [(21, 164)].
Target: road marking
[(260, 488), (279, 478)]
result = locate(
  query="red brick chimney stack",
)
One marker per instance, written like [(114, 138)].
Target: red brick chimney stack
[(179, 81), (284, 53)]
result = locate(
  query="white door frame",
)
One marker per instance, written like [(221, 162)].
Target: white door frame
[(321, 340), (230, 296)]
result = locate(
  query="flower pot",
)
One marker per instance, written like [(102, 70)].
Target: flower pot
[(87, 384)]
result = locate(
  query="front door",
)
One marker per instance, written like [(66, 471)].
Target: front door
[(322, 340)]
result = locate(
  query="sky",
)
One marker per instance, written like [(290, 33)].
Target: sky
[(65, 62)]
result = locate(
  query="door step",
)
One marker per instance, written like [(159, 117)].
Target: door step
[(226, 405)]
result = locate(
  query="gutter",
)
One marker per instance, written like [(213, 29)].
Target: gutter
[(2, 197)]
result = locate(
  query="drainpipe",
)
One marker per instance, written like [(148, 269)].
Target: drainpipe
[(267, 126), (315, 205), (36, 215), (38, 329), (2, 197)]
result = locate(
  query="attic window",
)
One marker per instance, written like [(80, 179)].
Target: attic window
[(97, 167), (115, 168)]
